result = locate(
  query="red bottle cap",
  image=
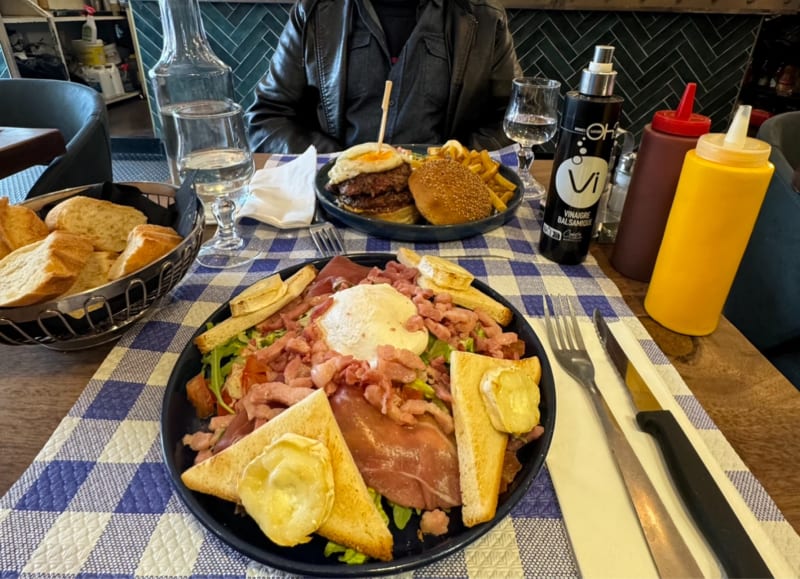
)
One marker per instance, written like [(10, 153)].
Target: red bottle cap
[(683, 121)]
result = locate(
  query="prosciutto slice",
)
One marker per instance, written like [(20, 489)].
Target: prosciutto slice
[(413, 466), (339, 270)]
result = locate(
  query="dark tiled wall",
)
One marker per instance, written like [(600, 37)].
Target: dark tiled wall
[(657, 53)]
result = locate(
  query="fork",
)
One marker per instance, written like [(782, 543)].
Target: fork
[(668, 549), (325, 235)]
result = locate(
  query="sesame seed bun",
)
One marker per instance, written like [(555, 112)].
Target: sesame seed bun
[(446, 193)]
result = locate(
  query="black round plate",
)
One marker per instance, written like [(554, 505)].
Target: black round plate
[(242, 533), (421, 231)]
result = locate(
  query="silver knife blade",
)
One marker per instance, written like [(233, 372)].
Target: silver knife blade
[(703, 498), (643, 397)]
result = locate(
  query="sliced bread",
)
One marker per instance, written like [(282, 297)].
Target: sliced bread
[(146, 243), (354, 520), (19, 226), (106, 224), (94, 273), (226, 329), (42, 270), (481, 447)]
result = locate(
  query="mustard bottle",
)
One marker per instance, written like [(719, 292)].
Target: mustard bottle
[(722, 184)]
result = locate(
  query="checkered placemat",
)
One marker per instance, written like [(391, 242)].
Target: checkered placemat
[(97, 500)]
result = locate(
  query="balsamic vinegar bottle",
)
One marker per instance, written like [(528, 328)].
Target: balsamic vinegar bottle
[(589, 123)]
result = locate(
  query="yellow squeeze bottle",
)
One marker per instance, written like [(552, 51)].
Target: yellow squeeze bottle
[(719, 194)]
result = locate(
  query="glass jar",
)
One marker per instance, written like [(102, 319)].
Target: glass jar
[(187, 71)]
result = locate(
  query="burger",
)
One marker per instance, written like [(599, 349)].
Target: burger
[(446, 192), (372, 180)]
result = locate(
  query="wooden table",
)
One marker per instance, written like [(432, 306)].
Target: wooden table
[(753, 405), (21, 148)]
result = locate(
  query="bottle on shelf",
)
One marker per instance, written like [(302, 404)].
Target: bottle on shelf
[(589, 124), (187, 71), (719, 195), (89, 28), (665, 142)]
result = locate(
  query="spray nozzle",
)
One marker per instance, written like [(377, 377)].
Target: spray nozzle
[(601, 60), (736, 136), (597, 79), (89, 10)]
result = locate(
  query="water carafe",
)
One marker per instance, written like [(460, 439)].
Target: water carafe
[(188, 71)]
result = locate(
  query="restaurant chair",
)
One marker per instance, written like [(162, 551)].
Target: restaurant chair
[(79, 112), (764, 302)]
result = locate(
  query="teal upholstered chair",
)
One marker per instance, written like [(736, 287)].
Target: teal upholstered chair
[(79, 112), (764, 302)]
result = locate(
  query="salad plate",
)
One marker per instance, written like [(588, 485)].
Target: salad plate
[(410, 552)]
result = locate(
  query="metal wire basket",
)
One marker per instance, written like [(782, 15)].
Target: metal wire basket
[(102, 314)]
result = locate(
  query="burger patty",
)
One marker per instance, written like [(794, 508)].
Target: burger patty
[(373, 184), (384, 203)]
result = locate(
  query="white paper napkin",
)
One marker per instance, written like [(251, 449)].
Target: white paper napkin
[(600, 519), (283, 196)]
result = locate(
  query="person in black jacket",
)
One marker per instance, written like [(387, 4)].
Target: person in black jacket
[(451, 63)]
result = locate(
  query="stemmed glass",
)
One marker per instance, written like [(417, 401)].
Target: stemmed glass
[(212, 144), (531, 119)]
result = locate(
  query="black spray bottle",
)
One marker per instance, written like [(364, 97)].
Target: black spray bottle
[(589, 123)]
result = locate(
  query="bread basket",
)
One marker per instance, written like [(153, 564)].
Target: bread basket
[(102, 314)]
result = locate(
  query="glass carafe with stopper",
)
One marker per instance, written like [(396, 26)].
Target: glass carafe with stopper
[(187, 71)]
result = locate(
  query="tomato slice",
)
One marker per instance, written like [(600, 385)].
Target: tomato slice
[(255, 372), (201, 397)]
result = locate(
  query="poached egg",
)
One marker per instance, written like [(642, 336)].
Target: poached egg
[(366, 316)]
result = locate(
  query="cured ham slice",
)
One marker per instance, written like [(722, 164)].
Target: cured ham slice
[(412, 466), (339, 270)]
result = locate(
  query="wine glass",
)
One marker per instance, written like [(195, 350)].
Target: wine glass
[(531, 119), (212, 144)]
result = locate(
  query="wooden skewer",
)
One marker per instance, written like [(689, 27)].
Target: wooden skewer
[(387, 91)]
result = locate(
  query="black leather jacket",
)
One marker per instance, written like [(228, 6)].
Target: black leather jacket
[(301, 100)]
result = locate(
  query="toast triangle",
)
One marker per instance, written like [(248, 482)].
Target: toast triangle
[(481, 447), (354, 520)]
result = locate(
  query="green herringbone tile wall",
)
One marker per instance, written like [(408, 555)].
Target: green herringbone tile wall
[(657, 53)]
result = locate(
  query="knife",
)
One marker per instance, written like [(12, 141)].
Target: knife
[(710, 509)]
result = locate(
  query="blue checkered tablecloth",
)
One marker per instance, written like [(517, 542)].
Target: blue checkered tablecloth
[(97, 500)]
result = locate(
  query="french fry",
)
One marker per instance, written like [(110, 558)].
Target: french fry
[(497, 202), (504, 183), (487, 162), (488, 174)]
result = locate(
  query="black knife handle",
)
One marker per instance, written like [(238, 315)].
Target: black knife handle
[(709, 507)]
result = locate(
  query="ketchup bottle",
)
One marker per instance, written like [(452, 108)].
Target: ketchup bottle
[(665, 142)]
